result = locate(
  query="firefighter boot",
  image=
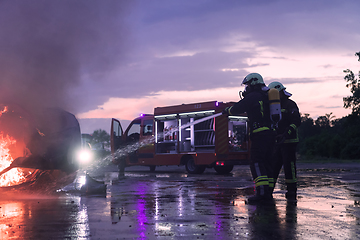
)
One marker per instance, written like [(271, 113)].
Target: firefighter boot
[(291, 194), (262, 196)]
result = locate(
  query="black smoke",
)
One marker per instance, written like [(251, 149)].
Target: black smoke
[(47, 46)]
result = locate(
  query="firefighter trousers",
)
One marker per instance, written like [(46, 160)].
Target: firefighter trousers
[(262, 144), (285, 156)]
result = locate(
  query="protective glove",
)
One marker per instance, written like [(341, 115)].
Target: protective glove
[(226, 111)]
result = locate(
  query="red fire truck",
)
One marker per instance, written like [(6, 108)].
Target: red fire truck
[(195, 135)]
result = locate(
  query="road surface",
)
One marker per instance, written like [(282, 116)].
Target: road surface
[(171, 204)]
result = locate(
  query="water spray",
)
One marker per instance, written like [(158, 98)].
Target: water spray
[(132, 148), (197, 121), (125, 150)]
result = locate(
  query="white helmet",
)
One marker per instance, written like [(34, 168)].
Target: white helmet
[(278, 86), (253, 79)]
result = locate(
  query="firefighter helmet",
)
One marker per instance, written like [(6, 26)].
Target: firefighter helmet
[(277, 85), (253, 79)]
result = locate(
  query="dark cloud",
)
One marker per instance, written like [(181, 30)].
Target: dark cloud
[(286, 81), (327, 66), (46, 46), (150, 75), (193, 9), (270, 23), (338, 96), (259, 65), (328, 107), (207, 29)]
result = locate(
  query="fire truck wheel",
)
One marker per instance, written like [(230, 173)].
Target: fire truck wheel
[(223, 169), (192, 168), (152, 168)]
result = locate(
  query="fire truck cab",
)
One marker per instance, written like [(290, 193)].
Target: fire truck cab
[(195, 135)]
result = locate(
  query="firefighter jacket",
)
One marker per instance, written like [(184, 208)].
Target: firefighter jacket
[(256, 105), (290, 121)]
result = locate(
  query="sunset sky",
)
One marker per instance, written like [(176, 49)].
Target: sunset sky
[(161, 52), (193, 51)]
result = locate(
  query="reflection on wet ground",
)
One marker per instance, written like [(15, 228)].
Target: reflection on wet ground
[(171, 204)]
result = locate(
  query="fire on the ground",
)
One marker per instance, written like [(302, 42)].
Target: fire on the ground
[(37, 145)]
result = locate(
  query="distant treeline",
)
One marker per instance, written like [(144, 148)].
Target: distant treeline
[(327, 138), (339, 138)]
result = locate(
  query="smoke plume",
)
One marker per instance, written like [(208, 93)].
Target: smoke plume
[(46, 46)]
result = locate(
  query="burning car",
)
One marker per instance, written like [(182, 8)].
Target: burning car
[(38, 149)]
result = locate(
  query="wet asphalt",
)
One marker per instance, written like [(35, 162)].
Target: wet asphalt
[(171, 204)]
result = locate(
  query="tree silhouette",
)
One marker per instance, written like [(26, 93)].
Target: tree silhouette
[(353, 83), (101, 136), (327, 137)]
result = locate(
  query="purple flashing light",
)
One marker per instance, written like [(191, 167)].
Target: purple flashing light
[(141, 208), (142, 115), (216, 103)]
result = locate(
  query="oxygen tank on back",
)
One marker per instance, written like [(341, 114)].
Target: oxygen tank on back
[(275, 107)]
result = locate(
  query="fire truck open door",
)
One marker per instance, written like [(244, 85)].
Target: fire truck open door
[(116, 137), (135, 144)]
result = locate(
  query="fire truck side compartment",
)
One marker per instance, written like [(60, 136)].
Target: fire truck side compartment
[(217, 141)]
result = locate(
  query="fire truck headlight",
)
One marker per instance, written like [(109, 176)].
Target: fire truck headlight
[(84, 156)]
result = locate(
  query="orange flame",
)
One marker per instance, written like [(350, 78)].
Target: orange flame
[(15, 175), (3, 111)]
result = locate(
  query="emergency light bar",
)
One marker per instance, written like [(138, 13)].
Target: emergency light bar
[(188, 114), (197, 114), (167, 116), (238, 118)]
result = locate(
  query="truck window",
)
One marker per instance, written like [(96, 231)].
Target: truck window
[(134, 131), (148, 128), (117, 129)]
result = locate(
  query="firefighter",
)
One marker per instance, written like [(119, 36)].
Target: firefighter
[(256, 104), (286, 141)]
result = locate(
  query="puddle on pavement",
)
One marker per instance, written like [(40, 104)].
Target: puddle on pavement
[(177, 206), (196, 207)]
